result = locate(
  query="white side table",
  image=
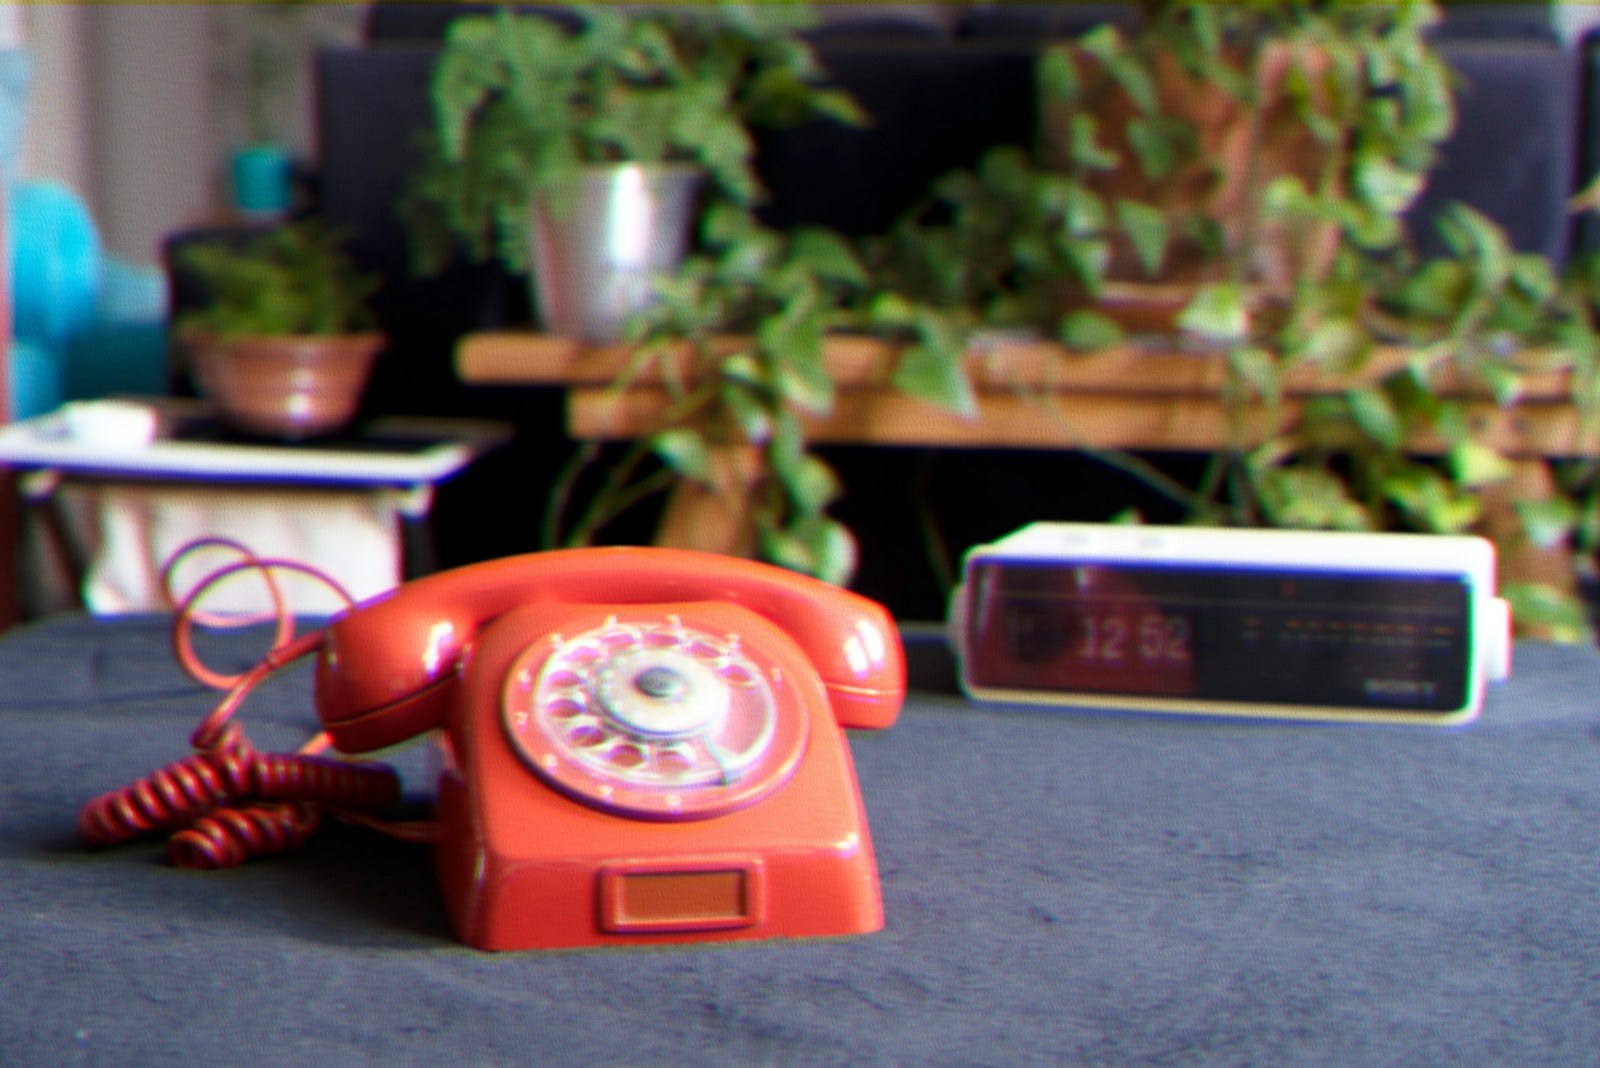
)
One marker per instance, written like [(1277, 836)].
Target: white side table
[(194, 465)]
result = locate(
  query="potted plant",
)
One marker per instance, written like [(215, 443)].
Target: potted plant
[(1250, 165), (1209, 158), (584, 152), (285, 340)]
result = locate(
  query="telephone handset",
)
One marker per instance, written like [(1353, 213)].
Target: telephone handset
[(640, 744), (381, 662)]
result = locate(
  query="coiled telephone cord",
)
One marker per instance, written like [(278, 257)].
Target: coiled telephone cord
[(228, 802)]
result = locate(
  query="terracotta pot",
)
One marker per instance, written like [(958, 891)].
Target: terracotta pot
[(1240, 150), (290, 388)]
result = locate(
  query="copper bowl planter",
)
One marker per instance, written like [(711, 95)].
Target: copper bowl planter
[(292, 387)]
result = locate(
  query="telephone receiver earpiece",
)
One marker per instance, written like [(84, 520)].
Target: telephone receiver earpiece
[(384, 666)]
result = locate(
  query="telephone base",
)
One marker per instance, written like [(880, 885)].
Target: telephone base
[(528, 861), (728, 895)]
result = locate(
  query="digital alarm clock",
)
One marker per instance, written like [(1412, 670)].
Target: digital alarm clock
[(1287, 624)]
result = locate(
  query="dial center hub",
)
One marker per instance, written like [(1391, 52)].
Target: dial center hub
[(662, 693)]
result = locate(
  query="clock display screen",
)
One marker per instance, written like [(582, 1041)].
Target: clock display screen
[(1275, 636)]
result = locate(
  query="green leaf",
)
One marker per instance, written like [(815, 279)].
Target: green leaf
[(817, 546), (829, 256), (1548, 611), (1083, 148), (1006, 169), (833, 547), (812, 485), (1286, 196), (1057, 75), (1430, 110), (1385, 186), (1089, 258), (1104, 42), (1336, 344), (749, 257), (1217, 312), (1134, 78), (840, 106), (1436, 290), (1257, 369), (927, 372), (1082, 210), (1157, 152), (1504, 381), (1311, 499), (806, 385), (723, 223), (295, 279), (1547, 523), (1479, 241), (1476, 465), (747, 412), (1207, 29), (684, 450), (1087, 331), (1147, 229), (1431, 501), (1534, 275), (1374, 413), (1030, 250), (891, 310)]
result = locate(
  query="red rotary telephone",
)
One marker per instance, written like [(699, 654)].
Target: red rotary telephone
[(640, 745)]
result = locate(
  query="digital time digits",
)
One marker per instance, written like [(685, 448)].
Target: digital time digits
[(1151, 639)]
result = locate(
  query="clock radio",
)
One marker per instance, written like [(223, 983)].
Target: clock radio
[(1287, 624)]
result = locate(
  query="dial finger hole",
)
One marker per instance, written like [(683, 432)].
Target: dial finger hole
[(580, 658), (625, 757), (617, 640), (675, 760), (587, 736), (563, 679), (737, 675), (565, 707)]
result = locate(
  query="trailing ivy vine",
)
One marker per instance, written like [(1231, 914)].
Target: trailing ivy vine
[(1276, 209), (737, 337)]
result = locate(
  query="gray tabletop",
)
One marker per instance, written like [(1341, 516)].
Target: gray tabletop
[(1059, 888)]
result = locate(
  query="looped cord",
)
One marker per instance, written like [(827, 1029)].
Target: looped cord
[(187, 607), (228, 802)]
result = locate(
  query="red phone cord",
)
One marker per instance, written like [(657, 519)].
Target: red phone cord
[(228, 802)]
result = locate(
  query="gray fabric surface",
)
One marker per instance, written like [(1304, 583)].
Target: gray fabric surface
[(1060, 889)]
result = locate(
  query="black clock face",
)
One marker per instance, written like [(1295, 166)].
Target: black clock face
[(1273, 636)]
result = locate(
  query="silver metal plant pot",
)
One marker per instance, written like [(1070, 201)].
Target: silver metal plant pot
[(598, 251)]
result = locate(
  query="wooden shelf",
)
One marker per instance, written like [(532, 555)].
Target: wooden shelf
[(523, 358), (1031, 395), (1065, 421)]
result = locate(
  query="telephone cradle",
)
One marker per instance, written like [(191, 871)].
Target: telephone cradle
[(640, 745)]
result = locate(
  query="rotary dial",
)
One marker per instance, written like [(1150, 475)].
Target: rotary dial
[(653, 717)]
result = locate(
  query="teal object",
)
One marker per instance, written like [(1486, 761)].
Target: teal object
[(124, 350), (36, 381), (55, 264), (86, 325), (263, 180)]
